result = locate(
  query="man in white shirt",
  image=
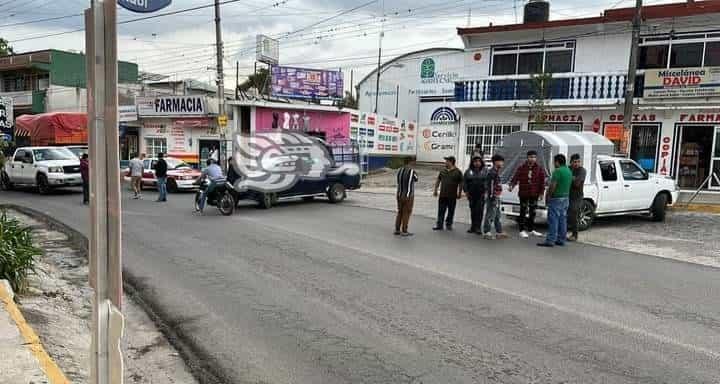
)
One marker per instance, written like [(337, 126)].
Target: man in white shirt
[(137, 168)]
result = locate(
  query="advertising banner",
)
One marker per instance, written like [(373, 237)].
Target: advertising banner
[(127, 113), (332, 126), (172, 106), (439, 139), (380, 135), (7, 118), (303, 83), (682, 82)]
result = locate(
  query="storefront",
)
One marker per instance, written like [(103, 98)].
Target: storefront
[(698, 150), (179, 126)]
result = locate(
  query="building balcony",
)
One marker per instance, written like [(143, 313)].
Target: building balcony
[(563, 89)]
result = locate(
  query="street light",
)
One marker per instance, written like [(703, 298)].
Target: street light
[(377, 83)]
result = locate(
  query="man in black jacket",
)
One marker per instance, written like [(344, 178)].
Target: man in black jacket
[(161, 176), (474, 186)]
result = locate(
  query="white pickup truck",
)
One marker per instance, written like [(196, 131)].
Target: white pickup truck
[(614, 186), (42, 167)]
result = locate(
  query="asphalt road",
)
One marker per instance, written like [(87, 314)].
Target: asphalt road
[(316, 293)]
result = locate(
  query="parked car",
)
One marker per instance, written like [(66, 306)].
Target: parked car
[(45, 168), (614, 185), (180, 177), (78, 150)]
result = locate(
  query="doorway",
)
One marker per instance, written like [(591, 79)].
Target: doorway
[(715, 167), (644, 145), (207, 149), (696, 155)]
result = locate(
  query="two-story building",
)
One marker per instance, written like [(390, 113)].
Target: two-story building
[(570, 75)]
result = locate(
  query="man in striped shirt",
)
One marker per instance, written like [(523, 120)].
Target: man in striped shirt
[(406, 179)]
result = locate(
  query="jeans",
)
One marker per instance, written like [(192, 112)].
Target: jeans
[(86, 191), (477, 206), (557, 220), (204, 194), (574, 215), (162, 188), (446, 204), (492, 215), (527, 213), (405, 207)]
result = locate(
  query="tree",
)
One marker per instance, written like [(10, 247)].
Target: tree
[(538, 102), (259, 81), (5, 48), (349, 101)]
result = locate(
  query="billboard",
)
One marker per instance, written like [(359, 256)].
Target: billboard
[(6, 118), (382, 135), (303, 83), (267, 50), (682, 82), (333, 126)]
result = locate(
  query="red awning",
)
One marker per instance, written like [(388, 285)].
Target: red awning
[(59, 128)]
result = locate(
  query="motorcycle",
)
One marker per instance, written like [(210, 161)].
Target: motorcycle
[(222, 197)]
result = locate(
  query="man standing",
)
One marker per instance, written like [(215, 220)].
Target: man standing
[(576, 195), (161, 175), (557, 203), (406, 179), (450, 182), (474, 186), (85, 174), (136, 172), (530, 176), (494, 191)]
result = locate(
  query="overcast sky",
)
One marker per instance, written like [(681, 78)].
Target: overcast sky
[(181, 45)]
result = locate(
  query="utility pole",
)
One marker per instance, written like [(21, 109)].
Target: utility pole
[(379, 63), (237, 80), (220, 82), (632, 71)]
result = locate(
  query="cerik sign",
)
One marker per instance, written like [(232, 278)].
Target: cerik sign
[(144, 6)]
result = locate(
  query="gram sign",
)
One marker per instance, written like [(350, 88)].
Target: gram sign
[(144, 6)]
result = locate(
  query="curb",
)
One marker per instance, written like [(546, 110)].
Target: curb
[(201, 364), (32, 341)]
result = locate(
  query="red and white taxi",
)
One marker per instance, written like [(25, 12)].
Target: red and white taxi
[(180, 175)]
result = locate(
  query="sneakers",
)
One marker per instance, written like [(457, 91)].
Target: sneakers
[(524, 234), (572, 238), (536, 234), (437, 228), (397, 233), (448, 227), (489, 236), (407, 234)]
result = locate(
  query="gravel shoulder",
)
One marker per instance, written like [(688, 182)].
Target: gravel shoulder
[(58, 307)]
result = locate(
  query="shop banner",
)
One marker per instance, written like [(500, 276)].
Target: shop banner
[(302, 83), (682, 82), (172, 106), (333, 126), (127, 113), (437, 141), (380, 135), (6, 118)]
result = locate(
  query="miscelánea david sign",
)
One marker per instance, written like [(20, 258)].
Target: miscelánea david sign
[(682, 82), (144, 6)]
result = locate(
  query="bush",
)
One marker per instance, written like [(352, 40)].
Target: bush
[(17, 253)]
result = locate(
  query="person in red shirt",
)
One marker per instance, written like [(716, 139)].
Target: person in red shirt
[(530, 176)]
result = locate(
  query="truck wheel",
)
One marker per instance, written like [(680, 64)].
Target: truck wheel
[(42, 184), (5, 183), (586, 215), (659, 207), (336, 193), (172, 186)]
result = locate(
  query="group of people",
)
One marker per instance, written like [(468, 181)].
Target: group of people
[(482, 186)]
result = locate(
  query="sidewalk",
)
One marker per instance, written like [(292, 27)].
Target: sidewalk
[(24, 359)]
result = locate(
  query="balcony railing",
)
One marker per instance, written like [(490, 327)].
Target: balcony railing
[(561, 86)]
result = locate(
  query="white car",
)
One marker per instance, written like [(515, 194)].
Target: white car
[(621, 187), (42, 167)]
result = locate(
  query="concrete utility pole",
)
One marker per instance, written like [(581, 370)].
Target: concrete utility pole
[(220, 81), (106, 364), (632, 71)]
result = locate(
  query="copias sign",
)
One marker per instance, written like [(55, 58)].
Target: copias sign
[(144, 6)]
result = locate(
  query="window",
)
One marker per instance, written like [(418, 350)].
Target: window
[(155, 145), (555, 57), (712, 54), (54, 154), (486, 136), (631, 171), (608, 171), (653, 57), (556, 127), (20, 155), (686, 55)]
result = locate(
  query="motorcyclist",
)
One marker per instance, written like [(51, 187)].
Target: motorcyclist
[(214, 173)]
